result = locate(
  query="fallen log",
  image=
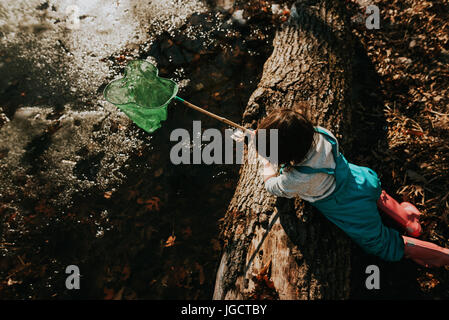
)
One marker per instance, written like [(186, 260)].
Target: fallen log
[(280, 248)]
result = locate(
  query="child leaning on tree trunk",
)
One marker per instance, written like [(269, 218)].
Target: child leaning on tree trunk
[(312, 168)]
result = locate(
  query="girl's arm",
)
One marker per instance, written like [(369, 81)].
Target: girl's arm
[(268, 170), (274, 184)]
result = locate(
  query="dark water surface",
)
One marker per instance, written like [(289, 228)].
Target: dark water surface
[(118, 236)]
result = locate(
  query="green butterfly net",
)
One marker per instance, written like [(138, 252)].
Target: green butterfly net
[(142, 95)]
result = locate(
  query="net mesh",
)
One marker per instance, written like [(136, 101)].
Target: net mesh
[(142, 95)]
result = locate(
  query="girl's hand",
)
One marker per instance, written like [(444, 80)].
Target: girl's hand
[(263, 161)]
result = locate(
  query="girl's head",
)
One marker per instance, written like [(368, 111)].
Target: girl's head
[(295, 134)]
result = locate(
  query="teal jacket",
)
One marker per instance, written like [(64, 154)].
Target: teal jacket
[(352, 206)]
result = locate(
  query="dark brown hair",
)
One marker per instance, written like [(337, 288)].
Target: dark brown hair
[(295, 134)]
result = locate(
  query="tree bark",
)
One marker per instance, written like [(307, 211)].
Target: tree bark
[(283, 248)]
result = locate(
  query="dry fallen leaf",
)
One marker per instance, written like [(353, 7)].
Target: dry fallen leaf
[(12, 282), (170, 241), (109, 294), (151, 204), (126, 272)]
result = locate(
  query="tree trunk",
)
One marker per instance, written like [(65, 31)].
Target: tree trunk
[(281, 248)]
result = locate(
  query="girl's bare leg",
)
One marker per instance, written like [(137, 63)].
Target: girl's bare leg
[(425, 253), (403, 213)]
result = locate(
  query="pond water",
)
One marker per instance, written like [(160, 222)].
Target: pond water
[(153, 232)]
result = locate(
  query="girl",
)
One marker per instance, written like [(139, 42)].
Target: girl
[(312, 168)]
